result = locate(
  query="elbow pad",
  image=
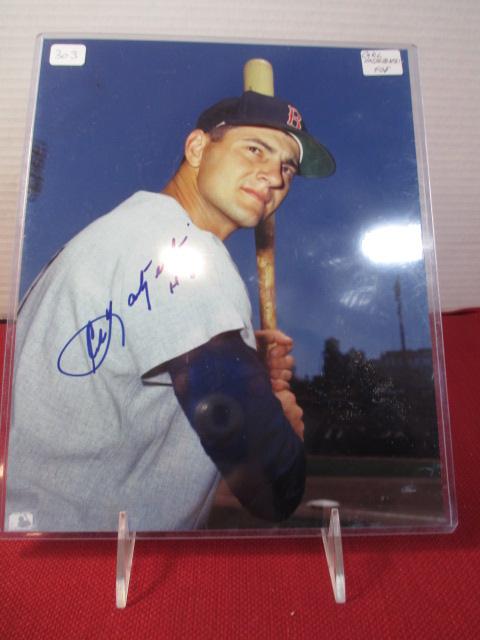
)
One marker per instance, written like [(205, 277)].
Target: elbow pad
[(225, 392)]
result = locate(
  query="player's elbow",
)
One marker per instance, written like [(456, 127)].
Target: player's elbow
[(289, 489), (267, 499)]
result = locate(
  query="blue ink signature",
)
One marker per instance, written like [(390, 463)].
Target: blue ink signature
[(143, 288), (97, 342), (97, 339), (175, 282), (174, 243)]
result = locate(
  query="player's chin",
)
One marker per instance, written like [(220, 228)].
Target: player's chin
[(251, 217)]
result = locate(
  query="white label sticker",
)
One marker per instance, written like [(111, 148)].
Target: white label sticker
[(382, 62), (68, 55), (20, 521)]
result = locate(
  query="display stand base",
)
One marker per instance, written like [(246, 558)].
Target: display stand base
[(332, 543), (125, 546)]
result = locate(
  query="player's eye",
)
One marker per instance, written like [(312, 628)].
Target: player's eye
[(255, 150), (289, 171)]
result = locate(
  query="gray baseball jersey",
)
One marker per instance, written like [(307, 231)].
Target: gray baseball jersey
[(96, 427)]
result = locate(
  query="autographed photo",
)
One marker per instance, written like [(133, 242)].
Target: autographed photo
[(143, 379)]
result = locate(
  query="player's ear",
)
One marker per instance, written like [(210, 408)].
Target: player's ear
[(195, 144)]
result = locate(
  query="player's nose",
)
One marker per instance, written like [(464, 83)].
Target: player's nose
[(271, 171)]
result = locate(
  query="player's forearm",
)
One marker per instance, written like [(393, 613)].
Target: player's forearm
[(228, 400)]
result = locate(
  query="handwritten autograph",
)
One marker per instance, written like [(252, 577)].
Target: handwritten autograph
[(143, 288), (95, 338)]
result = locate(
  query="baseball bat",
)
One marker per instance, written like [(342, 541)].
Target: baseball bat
[(258, 76)]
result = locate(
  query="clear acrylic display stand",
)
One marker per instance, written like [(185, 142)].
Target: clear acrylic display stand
[(332, 543), (125, 546)]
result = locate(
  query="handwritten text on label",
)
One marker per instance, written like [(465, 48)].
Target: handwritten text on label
[(381, 62)]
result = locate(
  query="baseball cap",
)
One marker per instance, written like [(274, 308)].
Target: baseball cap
[(256, 109)]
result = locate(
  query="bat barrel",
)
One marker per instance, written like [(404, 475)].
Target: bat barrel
[(258, 76)]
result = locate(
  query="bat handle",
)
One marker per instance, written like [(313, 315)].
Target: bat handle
[(265, 249)]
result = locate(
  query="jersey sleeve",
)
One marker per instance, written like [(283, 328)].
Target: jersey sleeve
[(226, 395), (179, 293)]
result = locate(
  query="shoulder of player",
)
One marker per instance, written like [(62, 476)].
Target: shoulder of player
[(143, 217), (140, 229)]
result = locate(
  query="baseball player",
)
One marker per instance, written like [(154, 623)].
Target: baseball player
[(137, 380)]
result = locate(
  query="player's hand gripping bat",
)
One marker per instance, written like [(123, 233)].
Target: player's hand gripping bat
[(258, 76)]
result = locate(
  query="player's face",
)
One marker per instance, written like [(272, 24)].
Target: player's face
[(244, 177)]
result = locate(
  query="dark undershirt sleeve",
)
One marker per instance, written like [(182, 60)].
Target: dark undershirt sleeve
[(225, 392)]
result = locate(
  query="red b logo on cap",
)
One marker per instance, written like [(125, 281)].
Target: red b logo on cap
[(294, 117)]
